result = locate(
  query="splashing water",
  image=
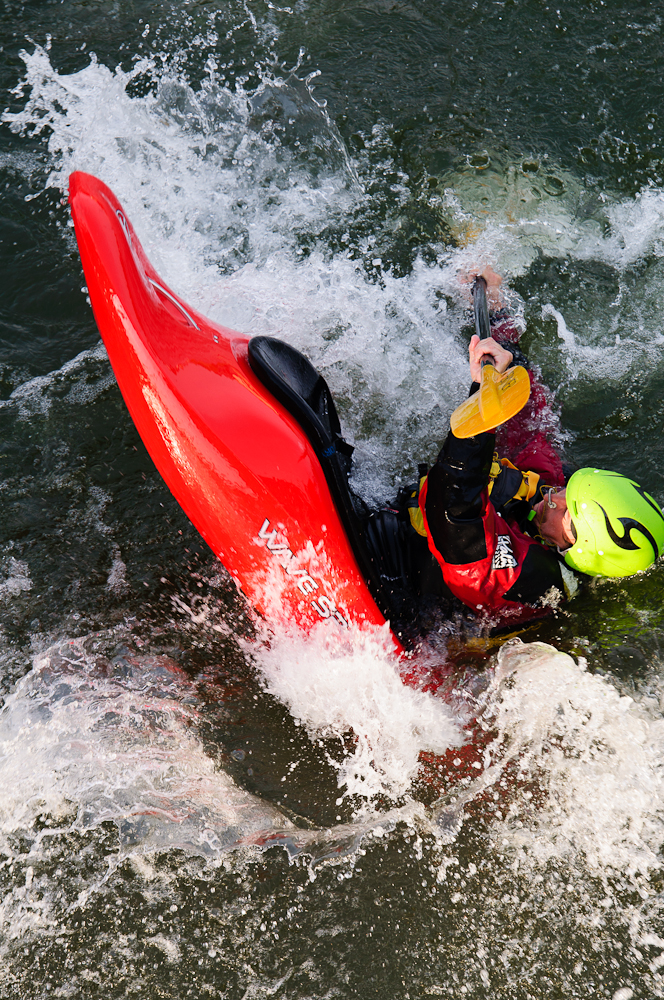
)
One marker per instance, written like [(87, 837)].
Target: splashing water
[(597, 756), (221, 202), (573, 770), (236, 221), (539, 871), (221, 208), (333, 686), (87, 739)]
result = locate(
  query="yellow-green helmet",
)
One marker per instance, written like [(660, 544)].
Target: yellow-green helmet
[(619, 527)]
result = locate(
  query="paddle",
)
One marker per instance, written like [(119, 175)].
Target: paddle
[(500, 397)]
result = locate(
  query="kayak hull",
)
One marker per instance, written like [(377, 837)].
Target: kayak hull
[(234, 458)]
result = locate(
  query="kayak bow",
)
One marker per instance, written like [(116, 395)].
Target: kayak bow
[(215, 412)]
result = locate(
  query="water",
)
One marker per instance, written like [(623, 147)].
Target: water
[(188, 808)]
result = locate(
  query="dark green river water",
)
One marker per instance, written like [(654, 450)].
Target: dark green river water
[(187, 810)]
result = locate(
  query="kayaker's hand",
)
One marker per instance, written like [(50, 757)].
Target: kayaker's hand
[(477, 349), (493, 283)]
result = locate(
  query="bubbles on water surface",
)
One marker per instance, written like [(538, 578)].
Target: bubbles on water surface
[(567, 789), (594, 757), (16, 578), (335, 686), (112, 738), (103, 761), (239, 213)]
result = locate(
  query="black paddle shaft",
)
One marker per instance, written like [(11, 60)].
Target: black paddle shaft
[(481, 310)]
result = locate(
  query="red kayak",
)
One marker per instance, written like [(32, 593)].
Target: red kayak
[(243, 430)]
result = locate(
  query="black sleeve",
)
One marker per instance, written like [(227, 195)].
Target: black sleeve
[(518, 357), (454, 503)]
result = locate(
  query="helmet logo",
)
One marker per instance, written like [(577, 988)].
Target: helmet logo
[(625, 541)]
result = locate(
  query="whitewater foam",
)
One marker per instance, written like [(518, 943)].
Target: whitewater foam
[(596, 759), (88, 740), (235, 219), (222, 205), (336, 685)]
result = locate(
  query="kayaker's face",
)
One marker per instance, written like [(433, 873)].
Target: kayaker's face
[(555, 523)]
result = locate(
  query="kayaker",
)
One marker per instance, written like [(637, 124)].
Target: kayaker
[(502, 525)]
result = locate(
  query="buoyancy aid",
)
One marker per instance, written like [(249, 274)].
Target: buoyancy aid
[(491, 581), (506, 484), (486, 557)]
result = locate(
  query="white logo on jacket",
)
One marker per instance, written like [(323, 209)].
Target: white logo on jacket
[(503, 557)]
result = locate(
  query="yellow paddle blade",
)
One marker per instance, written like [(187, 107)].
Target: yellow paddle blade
[(491, 410), (500, 398)]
